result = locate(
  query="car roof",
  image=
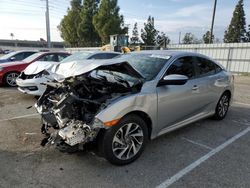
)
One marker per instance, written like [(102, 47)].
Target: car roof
[(42, 53), (167, 52), (20, 51), (99, 52)]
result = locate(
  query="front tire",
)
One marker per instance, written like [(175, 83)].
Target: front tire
[(125, 142), (222, 107)]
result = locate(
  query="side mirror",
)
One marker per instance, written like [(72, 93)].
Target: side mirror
[(173, 79), (12, 58)]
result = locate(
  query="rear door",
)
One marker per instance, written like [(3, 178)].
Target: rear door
[(208, 76)]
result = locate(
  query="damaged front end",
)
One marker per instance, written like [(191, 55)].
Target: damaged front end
[(68, 108)]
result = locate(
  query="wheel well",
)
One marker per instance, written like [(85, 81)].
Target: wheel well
[(228, 92), (146, 118), (11, 72)]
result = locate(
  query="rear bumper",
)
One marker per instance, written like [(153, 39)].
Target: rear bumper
[(31, 86)]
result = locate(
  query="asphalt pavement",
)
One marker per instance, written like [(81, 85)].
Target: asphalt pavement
[(207, 153)]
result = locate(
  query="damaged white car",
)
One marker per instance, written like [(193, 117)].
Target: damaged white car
[(123, 102)]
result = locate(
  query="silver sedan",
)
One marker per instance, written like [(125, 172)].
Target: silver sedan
[(121, 103)]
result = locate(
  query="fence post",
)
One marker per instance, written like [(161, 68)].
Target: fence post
[(228, 67)]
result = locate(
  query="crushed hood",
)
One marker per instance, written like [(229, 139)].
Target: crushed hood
[(39, 66), (76, 68)]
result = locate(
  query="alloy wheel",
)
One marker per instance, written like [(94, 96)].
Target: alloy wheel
[(11, 79), (127, 141), (223, 106)]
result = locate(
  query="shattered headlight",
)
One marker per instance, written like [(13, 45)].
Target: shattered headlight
[(97, 123), (42, 74)]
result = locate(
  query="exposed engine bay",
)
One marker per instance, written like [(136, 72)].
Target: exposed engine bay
[(69, 107)]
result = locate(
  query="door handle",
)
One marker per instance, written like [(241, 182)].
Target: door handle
[(220, 79), (195, 87)]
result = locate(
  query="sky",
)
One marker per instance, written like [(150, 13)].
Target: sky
[(26, 18)]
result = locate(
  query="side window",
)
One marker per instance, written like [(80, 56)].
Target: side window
[(19, 56), (111, 56), (99, 56), (182, 66), (61, 56), (49, 57), (205, 67), (27, 54), (217, 68)]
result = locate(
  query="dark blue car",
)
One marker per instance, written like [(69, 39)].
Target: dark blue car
[(16, 56)]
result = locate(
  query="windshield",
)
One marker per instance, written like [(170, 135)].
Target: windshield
[(148, 65), (77, 56), (32, 57), (7, 56)]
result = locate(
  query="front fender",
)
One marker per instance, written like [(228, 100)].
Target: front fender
[(146, 103)]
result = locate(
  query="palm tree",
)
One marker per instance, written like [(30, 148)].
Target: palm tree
[(12, 35)]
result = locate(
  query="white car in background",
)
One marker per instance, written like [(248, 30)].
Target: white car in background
[(32, 78)]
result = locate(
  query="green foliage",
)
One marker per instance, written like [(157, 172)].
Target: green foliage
[(86, 30), (149, 33), (135, 35), (162, 39), (206, 37), (236, 31), (188, 38), (69, 24), (107, 21)]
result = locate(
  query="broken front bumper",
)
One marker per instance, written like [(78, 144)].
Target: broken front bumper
[(72, 133)]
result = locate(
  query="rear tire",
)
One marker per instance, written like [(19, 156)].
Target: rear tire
[(124, 143), (222, 107), (10, 79)]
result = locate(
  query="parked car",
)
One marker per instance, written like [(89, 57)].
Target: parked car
[(10, 71), (16, 56), (31, 79), (121, 103)]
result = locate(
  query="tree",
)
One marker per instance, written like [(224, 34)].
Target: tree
[(86, 30), (70, 23), (135, 35), (189, 38), (162, 39), (206, 37), (107, 21), (236, 31), (149, 33)]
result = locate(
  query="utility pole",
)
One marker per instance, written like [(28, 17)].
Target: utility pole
[(179, 37), (212, 26), (47, 24)]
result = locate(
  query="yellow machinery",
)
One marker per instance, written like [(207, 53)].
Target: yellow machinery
[(119, 43)]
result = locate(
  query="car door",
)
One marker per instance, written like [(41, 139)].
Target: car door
[(207, 76), (178, 102)]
